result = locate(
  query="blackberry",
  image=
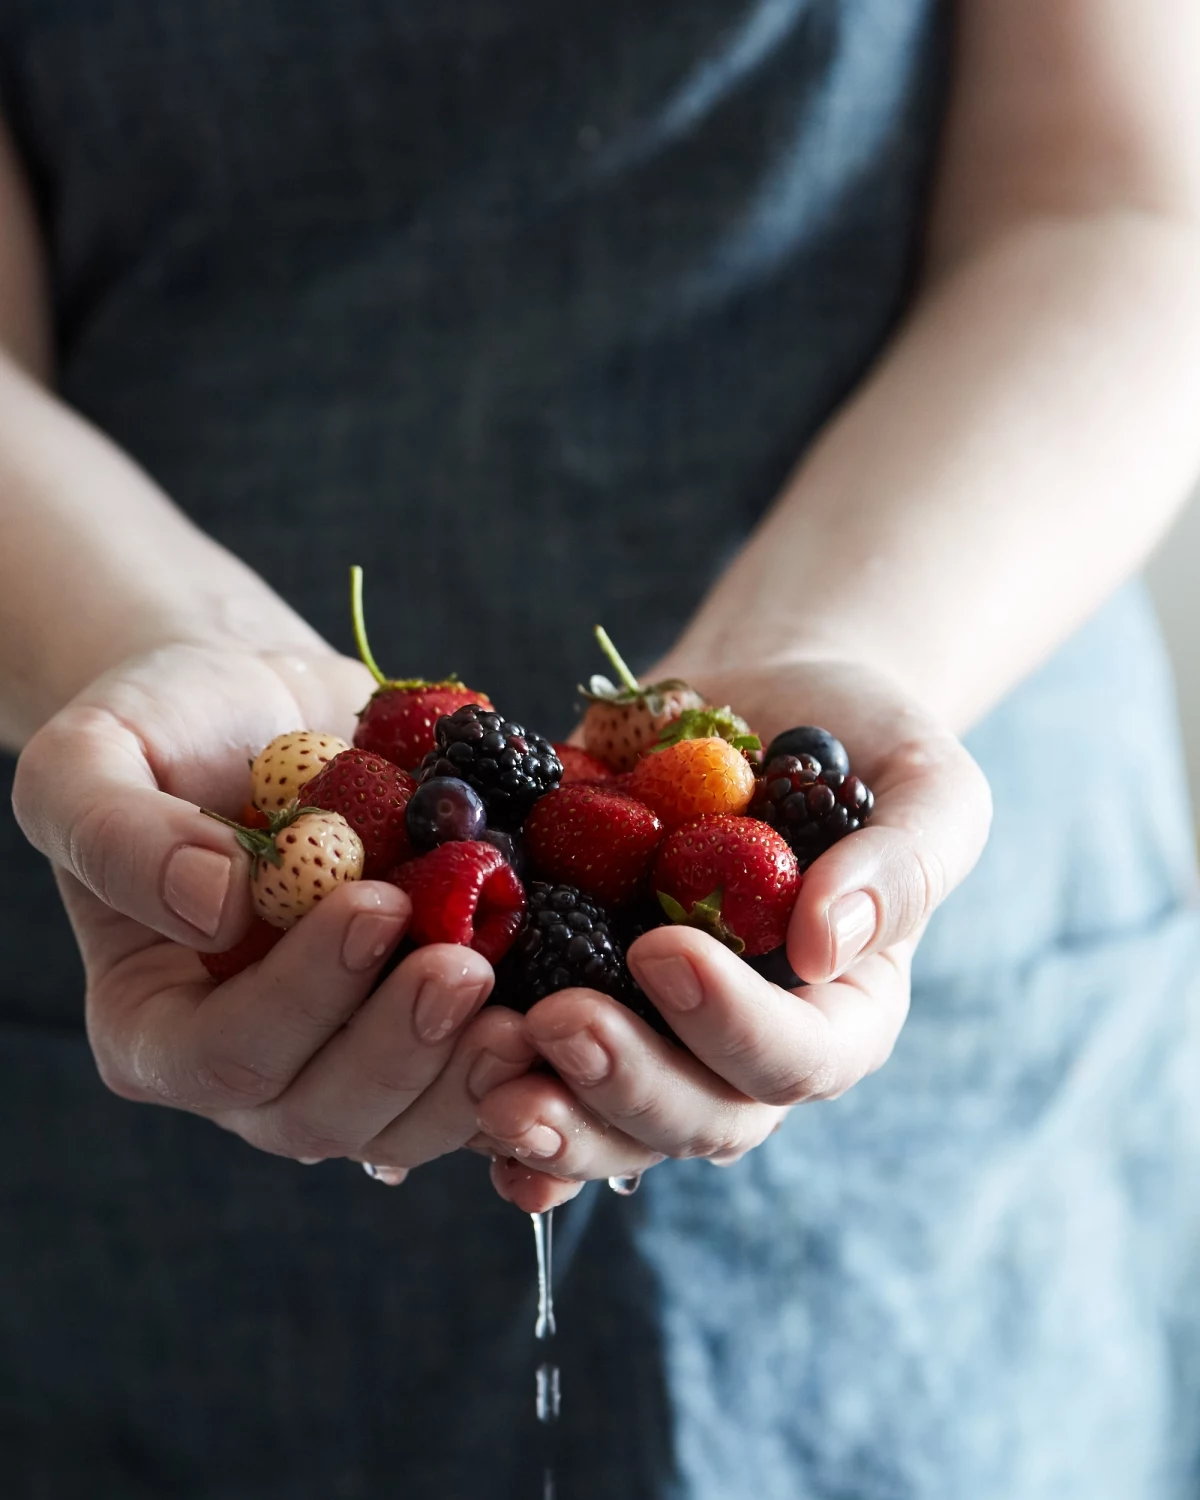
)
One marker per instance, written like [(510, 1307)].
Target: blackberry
[(507, 767), (812, 808), (570, 940)]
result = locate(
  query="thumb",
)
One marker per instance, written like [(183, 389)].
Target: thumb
[(86, 796)]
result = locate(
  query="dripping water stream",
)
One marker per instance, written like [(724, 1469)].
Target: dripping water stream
[(548, 1389)]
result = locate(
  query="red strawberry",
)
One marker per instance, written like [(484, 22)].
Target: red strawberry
[(463, 893), (398, 719), (258, 942), (733, 877), (623, 720), (578, 765), (596, 839), (372, 795)]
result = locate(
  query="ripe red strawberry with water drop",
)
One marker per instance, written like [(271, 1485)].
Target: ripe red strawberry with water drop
[(594, 838), (398, 719), (372, 795), (733, 877)]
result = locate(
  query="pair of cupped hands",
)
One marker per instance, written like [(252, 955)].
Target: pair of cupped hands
[(308, 1055)]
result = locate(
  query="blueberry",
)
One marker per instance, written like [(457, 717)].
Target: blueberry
[(806, 739), (444, 810)]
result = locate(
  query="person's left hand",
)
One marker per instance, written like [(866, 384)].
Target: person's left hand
[(621, 1098)]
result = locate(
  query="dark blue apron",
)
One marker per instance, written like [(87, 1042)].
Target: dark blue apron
[(533, 306)]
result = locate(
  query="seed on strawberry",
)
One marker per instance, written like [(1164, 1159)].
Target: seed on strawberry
[(280, 769), (578, 765), (598, 840), (372, 795), (399, 718), (623, 721), (260, 938), (733, 877), (464, 893), (297, 860), (693, 777)]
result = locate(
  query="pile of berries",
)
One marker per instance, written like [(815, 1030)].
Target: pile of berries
[(548, 859)]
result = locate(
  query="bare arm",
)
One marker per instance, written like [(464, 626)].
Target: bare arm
[(1011, 459), (142, 663), (1036, 422), (96, 563)]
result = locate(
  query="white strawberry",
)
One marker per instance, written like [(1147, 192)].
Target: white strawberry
[(279, 771), (297, 860), (623, 722)]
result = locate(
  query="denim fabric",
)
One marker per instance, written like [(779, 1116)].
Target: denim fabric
[(531, 307)]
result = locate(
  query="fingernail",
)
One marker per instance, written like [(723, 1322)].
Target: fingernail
[(489, 1071), (579, 1058), (195, 884), (671, 980), (368, 939), (441, 1009), (852, 922), (310, 1161), (539, 1140), (389, 1176)]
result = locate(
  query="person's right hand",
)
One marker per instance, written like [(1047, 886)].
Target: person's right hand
[(301, 1055)]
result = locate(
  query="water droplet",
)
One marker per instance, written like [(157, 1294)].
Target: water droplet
[(549, 1393), (543, 1238), (625, 1187)]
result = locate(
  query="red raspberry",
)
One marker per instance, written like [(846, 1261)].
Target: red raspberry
[(598, 840), (464, 893), (372, 795), (733, 877)]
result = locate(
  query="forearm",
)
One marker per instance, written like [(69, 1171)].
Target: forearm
[(1014, 457), (97, 564)]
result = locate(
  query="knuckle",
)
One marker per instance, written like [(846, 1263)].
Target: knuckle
[(821, 1077), (300, 1139), (236, 1082), (708, 1141), (97, 844)]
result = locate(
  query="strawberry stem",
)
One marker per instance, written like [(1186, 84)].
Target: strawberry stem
[(360, 627), (618, 663), (258, 843)]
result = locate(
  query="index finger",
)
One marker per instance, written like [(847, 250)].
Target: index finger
[(879, 886)]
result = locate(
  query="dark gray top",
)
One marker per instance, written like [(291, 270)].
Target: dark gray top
[(530, 307)]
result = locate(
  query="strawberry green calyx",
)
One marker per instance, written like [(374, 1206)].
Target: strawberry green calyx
[(259, 843), (627, 690), (709, 724), (386, 684), (704, 915)]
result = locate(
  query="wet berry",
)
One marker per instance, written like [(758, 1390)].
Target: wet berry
[(511, 845), (444, 810), (807, 739), (507, 767), (811, 807)]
